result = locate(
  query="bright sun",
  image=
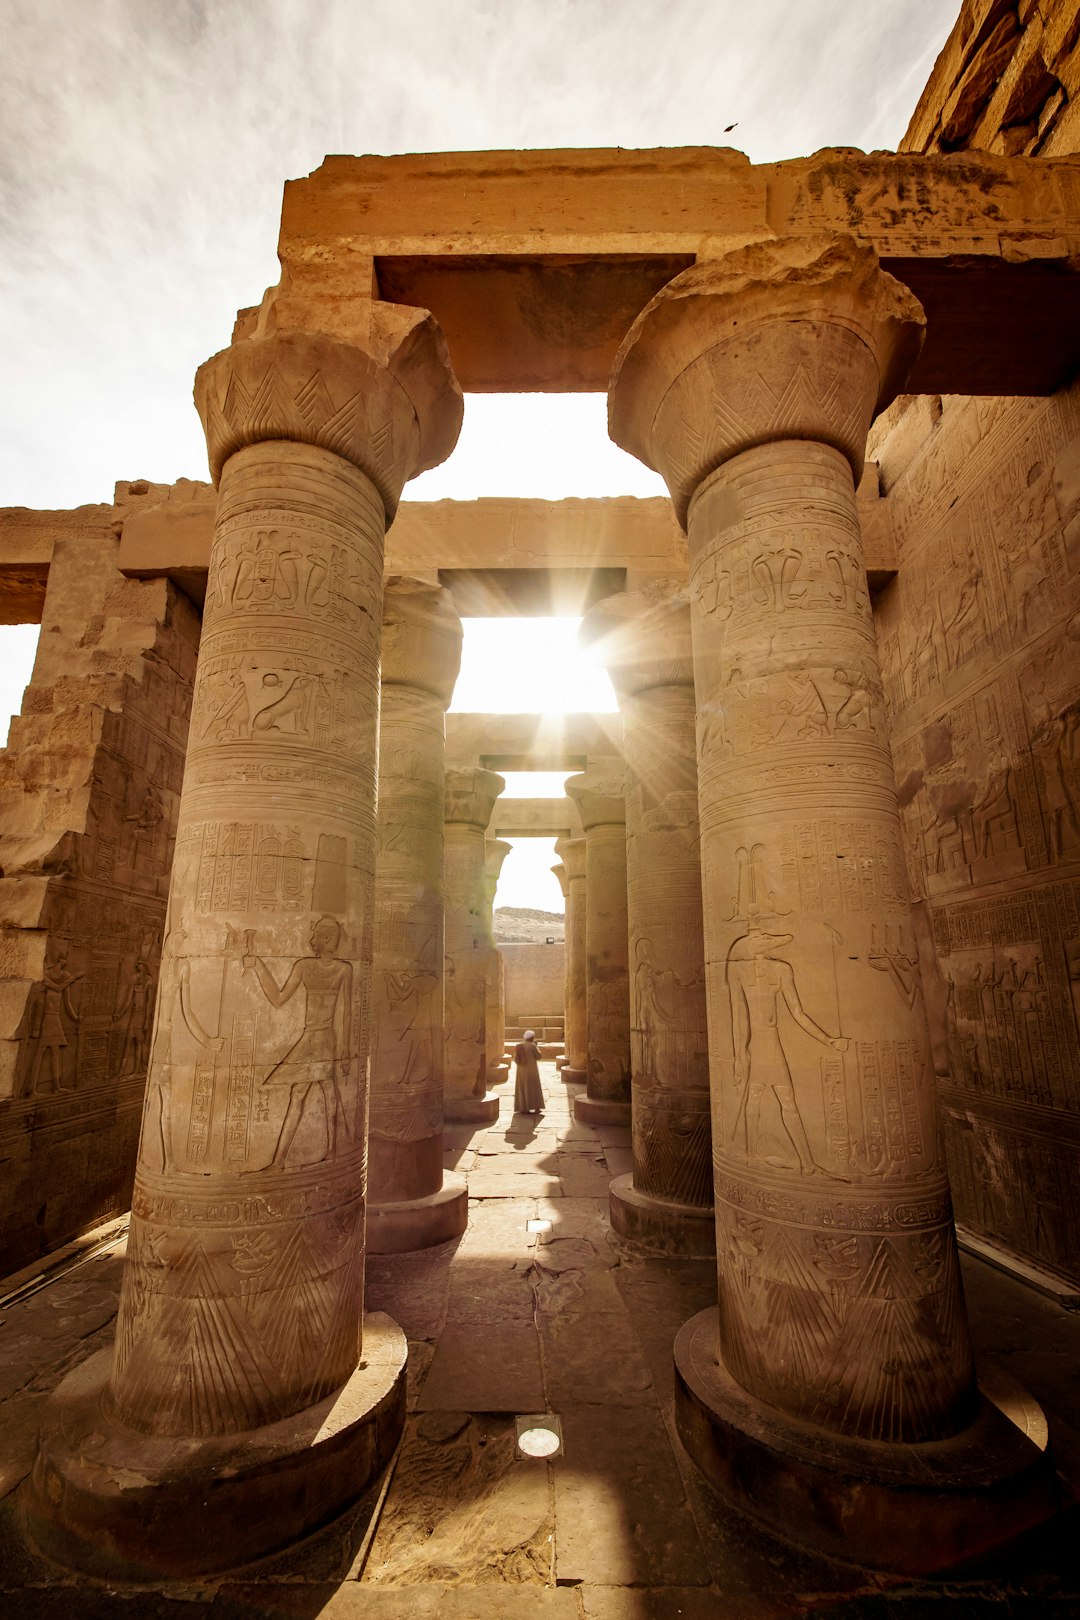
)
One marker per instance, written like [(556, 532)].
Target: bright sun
[(529, 666)]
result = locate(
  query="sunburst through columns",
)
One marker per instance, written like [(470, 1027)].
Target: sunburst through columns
[(238, 1409), (643, 640), (835, 1385)]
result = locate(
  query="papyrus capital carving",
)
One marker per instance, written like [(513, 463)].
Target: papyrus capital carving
[(643, 637), (421, 639), (393, 407), (599, 798), (797, 338), (471, 795)]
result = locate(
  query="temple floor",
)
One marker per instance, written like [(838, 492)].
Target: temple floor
[(507, 1321)]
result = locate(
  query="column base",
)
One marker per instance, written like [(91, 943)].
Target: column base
[(908, 1509), (419, 1223), (498, 1075), (571, 1076), (471, 1110), (660, 1225), (597, 1111), (118, 1505)]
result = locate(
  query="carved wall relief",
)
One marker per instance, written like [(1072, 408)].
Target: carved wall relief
[(91, 783), (984, 708)]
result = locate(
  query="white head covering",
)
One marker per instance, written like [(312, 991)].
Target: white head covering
[(530, 1035)]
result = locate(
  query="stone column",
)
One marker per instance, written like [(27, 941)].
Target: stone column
[(495, 852), (835, 1384), (558, 872), (412, 1203), (238, 1411), (572, 851), (643, 639), (469, 801), (599, 799)]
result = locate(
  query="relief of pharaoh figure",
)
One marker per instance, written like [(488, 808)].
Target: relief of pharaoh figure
[(174, 997), (319, 1060), (43, 1021), (759, 983)]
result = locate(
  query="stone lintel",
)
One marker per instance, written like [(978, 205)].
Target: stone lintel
[(534, 818), (27, 538), (497, 555), (535, 263), (531, 742)]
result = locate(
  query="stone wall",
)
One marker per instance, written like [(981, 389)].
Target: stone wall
[(980, 645), (89, 786), (1007, 81), (534, 979)]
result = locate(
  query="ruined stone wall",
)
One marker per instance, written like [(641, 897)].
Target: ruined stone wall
[(980, 644), (89, 786), (534, 979), (1007, 81)]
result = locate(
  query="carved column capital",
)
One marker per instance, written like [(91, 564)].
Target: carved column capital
[(797, 338), (391, 407), (471, 795), (571, 851), (599, 798), (559, 873), (421, 638), (495, 852), (643, 637)]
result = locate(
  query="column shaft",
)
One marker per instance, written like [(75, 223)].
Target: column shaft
[(607, 988), (572, 851), (237, 1400), (250, 1178), (496, 851), (643, 639), (820, 1036), (470, 798), (412, 1203), (835, 1381)]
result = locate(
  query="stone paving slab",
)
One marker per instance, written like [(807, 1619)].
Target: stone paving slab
[(491, 1290), (367, 1602), (464, 1506), (412, 1288), (476, 1369), (622, 1514), (493, 1184)]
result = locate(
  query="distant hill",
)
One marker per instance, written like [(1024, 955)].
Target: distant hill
[(519, 925)]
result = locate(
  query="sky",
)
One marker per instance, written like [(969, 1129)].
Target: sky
[(144, 144)]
